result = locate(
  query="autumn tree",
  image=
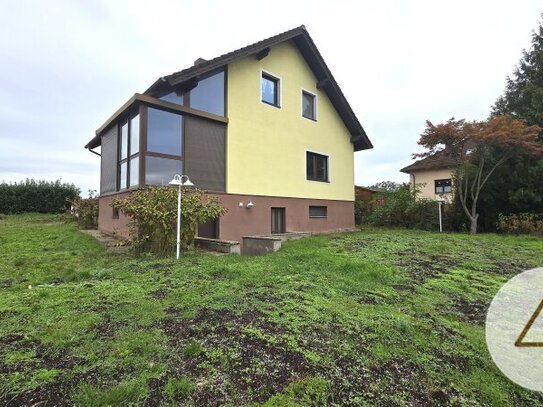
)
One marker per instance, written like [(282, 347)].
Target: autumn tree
[(478, 148)]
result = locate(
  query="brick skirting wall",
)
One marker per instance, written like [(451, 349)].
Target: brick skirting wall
[(241, 221)]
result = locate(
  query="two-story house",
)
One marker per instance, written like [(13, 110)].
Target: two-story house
[(265, 128)]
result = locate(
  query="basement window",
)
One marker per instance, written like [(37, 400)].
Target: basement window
[(443, 186), (318, 211)]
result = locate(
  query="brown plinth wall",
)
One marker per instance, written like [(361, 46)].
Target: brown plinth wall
[(106, 222), (241, 221)]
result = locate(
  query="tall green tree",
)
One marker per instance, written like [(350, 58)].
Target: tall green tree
[(518, 185)]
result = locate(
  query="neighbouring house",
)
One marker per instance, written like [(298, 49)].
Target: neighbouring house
[(265, 128), (434, 176)]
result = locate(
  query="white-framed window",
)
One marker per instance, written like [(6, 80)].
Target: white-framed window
[(309, 105), (270, 89), (317, 166)]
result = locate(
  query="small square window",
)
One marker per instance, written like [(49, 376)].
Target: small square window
[(318, 211), (115, 214), (309, 105), (270, 89), (443, 186)]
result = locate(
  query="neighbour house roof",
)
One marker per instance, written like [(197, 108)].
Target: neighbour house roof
[(435, 161), (369, 189), (308, 49)]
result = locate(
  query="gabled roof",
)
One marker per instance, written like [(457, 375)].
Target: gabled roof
[(308, 49), (438, 160)]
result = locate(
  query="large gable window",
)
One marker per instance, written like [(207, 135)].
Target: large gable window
[(317, 167), (174, 97), (443, 186), (208, 95), (270, 89)]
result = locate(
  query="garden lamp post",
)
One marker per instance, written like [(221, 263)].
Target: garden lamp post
[(179, 181), (440, 202)]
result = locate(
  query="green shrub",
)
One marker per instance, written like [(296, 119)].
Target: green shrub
[(36, 196), (399, 208), (522, 223), (362, 209), (84, 211), (153, 211)]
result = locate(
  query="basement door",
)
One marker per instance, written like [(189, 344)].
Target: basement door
[(278, 220)]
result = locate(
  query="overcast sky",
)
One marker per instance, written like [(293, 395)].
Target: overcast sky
[(66, 66)]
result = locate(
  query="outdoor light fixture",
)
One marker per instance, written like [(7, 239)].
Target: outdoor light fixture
[(250, 205), (179, 181)]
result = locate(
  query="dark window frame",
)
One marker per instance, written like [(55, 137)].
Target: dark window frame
[(120, 161), (277, 82), (143, 176), (318, 207), (314, 99), (311, 173), (441, 184)]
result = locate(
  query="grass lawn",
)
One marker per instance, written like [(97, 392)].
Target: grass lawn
[(386, 317)]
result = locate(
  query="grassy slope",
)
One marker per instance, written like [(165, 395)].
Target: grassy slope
[(376, 317)]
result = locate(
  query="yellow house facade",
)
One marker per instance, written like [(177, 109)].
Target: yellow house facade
[(265, 128)]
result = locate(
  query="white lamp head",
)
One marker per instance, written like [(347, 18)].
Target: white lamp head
[(250, 205), (187, 183), (176, 180)]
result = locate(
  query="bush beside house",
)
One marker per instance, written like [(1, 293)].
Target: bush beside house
[(153, 211), (84, 211)]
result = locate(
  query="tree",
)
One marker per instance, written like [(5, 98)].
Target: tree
[(523, 96), (516, 186), (478, 148)]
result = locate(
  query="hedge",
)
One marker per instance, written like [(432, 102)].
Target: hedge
[(36, 196)]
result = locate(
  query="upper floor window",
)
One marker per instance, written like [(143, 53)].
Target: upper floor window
[(443, 186), (270, 89), (309, 105), (317, 167), (208, 95)]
